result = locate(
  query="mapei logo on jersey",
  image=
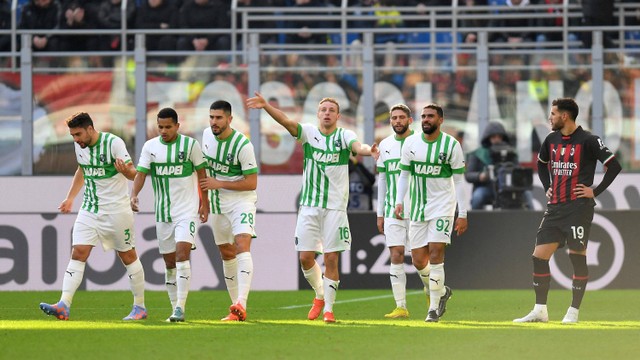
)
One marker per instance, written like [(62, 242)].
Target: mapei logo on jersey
[(326, 158), (217, 167), (427, 169), (393, 166), (165, 170), (229, 157), (181, 155), (93, 172)]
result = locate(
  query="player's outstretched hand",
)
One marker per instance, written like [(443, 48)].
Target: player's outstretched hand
[(256, 102), (375, 151)]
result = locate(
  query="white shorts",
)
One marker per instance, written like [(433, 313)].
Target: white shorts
[(322, 230), (169, 233), (240, 220), (113, 231), (436, 230), (396, 232)]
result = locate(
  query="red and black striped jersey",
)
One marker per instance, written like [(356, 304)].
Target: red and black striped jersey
[(572, 160)]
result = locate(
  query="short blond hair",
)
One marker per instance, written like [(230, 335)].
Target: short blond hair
[(331, 100)]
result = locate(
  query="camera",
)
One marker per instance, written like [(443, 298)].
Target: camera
[(510, 179)]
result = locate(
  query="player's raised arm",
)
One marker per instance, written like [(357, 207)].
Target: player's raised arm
[(365, 149), (258, 102)]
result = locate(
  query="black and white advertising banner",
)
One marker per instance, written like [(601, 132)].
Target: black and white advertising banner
[(495, 253)]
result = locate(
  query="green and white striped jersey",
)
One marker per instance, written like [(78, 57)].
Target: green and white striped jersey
[(431, 166), (173, 174), (228, 160), (389, 164), (106, 191), (325, 174)]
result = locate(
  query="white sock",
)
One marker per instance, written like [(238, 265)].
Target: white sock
[(183, 279), (330, 290), (136, 282), (398, 284), (72, 279), (424, 276), (245, 275), (170, 283), (314, 277), (436, 280), (230, 270)]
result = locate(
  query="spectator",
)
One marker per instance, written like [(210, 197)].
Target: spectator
[(513, 37), (158, 14), (204, 14), (77, 15), (555, 8), (304, 36), (389, 18), (262, 24), (5, 24), (41, 15), (360, 186), (472, 37), (110, 17), (597, 13)]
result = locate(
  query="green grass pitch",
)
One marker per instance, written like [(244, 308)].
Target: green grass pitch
[(477, 325)]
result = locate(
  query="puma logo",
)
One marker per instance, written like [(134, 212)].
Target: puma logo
[(246, 272), (435, 281), (412, 152), (317, 140), (333, 287), (387, 151), (184, 277), (170, 283), (69, 272), (229, 278), (392, 275)]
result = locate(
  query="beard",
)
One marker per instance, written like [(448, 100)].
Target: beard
[(429, 129), (401, 129)]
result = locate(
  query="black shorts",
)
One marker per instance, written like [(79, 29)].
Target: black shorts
[(568, 223)]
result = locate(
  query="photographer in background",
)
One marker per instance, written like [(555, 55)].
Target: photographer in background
[(482, 169)]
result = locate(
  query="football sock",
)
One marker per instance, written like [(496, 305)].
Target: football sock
[(424, 276), (170, 283), (314, 277), (398, 284), (72, 279), (136, 282), (436, 285), (245, 275), (580, 278), (330, 290), (183, 279), (541, 279), (230, 270)]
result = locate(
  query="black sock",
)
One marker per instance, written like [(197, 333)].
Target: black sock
[(541, 279), (580, 278)]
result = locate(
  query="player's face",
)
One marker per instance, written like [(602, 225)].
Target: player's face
[(82, 136), (328, 114), (167, 129), (400, 121), (219, 121), (557, 118), (430, 121)]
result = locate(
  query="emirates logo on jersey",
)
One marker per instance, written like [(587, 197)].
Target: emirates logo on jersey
[(229, 157), (181, 155)]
